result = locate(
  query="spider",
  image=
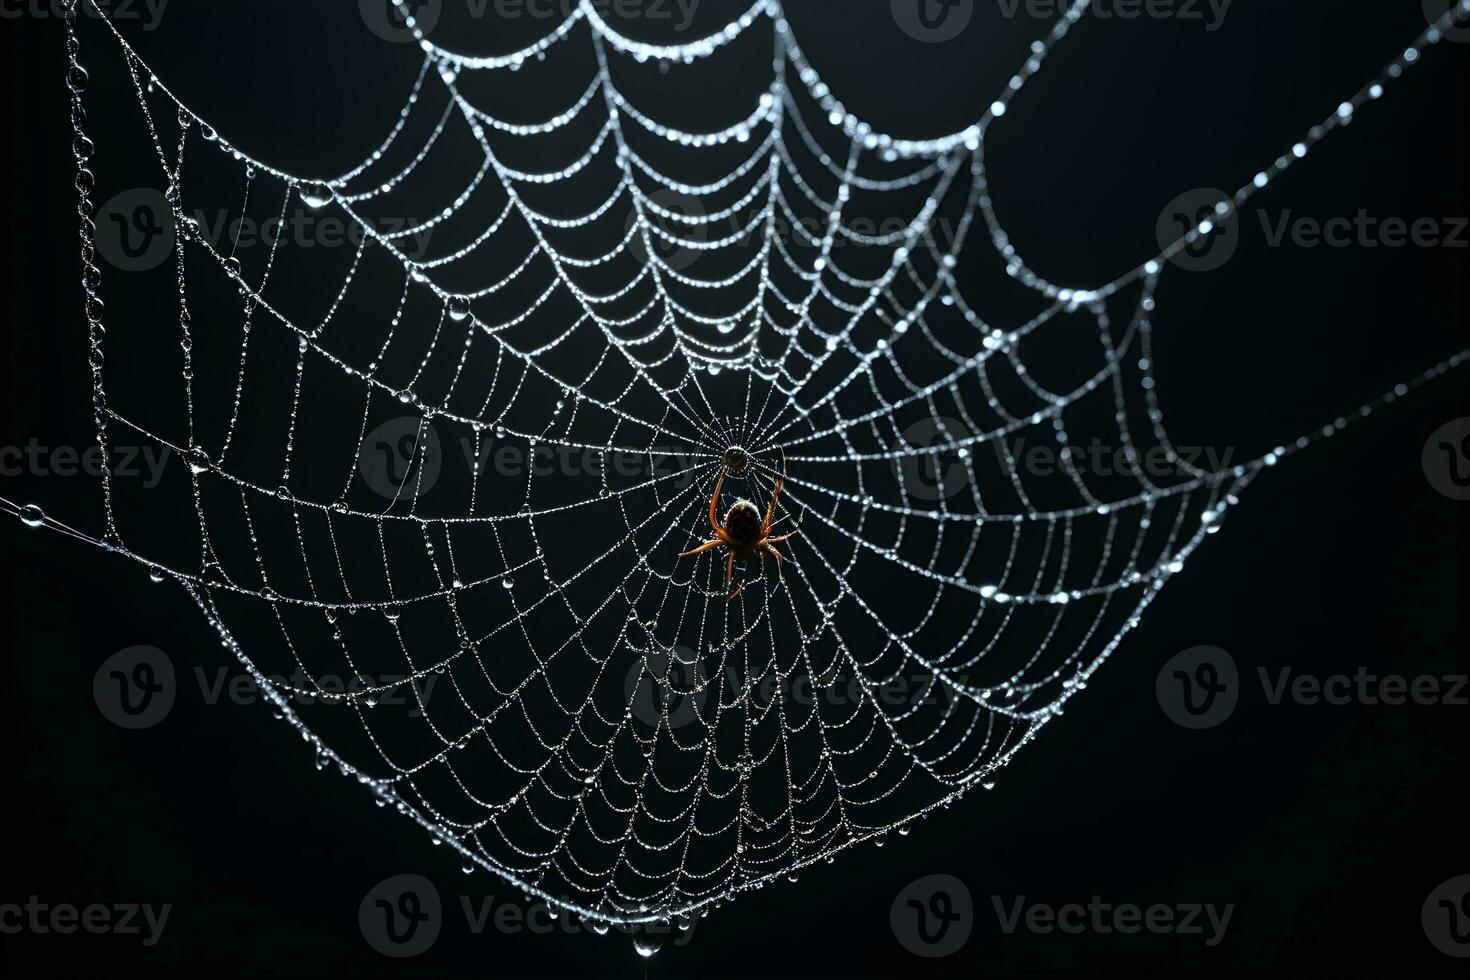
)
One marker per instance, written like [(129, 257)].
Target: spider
[(744, 532)]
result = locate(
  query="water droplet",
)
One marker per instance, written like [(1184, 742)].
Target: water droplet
[(32, 516), (459, 308), (198, 461), (507, 583), (155, 576), (315, 195), (645, 944)]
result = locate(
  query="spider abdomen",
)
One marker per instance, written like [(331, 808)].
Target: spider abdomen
[(743, 526)]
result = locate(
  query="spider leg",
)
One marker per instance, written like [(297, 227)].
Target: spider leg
[(775, 495), (783, 537), (704, 547), (729, 574), (714, 506), (780, 559)]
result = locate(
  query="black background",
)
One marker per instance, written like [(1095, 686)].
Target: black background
[(1326, 826)]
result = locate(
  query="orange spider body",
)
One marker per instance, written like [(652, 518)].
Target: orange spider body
[(744, 533)]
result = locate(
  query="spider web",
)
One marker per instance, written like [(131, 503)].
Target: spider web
[(513, 655)]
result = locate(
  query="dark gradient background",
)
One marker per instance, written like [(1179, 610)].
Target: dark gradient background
[(1325, 826)]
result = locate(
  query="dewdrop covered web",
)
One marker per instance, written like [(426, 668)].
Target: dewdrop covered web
[(607, 731)]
